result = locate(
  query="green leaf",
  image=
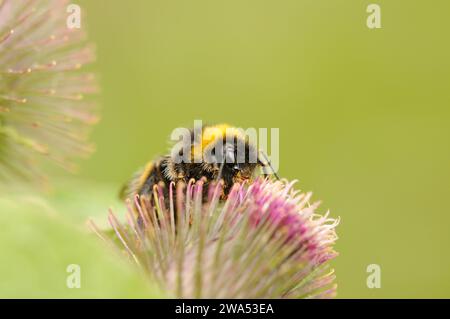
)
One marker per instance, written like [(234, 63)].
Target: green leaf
[(37, 246), (80, 200)]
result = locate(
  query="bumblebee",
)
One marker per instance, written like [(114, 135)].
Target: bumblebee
[(218, 152)]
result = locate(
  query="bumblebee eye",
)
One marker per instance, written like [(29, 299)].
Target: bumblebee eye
[(236, 168)]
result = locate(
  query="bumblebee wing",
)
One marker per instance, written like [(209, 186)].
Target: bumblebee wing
[(134, 186)]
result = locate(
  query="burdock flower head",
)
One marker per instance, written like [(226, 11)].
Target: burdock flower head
[(264, 241), (43, 110)]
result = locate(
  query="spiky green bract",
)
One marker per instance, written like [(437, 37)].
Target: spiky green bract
[(264, 241)]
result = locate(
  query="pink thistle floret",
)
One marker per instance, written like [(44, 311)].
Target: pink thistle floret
[(264, 241)]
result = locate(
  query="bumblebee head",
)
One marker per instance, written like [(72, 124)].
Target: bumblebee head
[(234, 163), (218, 152), (228, 153)]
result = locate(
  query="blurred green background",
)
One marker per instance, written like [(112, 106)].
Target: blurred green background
[(363, 114)]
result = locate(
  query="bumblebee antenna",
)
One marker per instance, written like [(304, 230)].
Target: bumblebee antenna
[(268, 164)]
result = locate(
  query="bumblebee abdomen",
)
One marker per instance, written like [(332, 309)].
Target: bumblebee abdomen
[(152, 177), (143, 180)]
